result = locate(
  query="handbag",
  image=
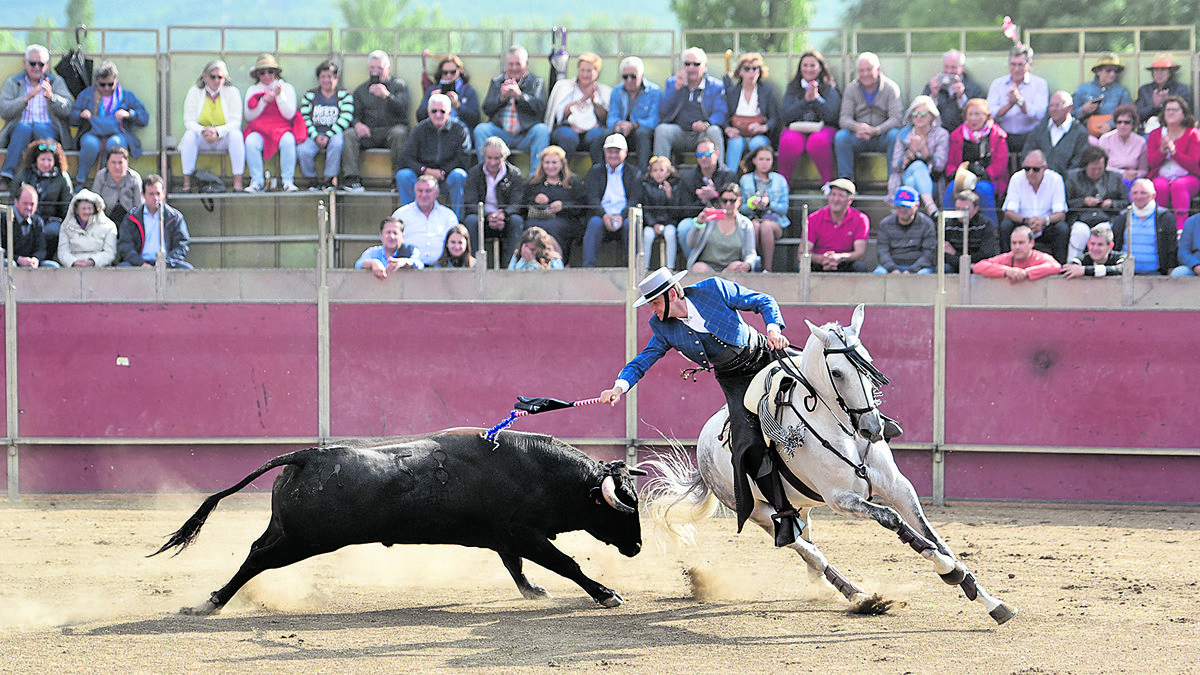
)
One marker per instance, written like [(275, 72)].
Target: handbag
[(742, 123), (1098, 125)]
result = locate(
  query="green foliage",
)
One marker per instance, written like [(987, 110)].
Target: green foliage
[(80, 13), (722, 14)]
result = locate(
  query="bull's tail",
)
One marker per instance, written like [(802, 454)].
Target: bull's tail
[(678, 497), (185, 535)]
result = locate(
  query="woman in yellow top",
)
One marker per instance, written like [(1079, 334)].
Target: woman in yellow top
[(212, 121)]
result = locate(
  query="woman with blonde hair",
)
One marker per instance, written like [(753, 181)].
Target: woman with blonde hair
[(212, 120), (920, 152), (979, 156), (552, 198), (753, 109), (577, 110)]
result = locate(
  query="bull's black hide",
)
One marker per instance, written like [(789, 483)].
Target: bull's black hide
[(453, 487)]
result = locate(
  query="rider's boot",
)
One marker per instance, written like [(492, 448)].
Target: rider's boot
[(788, 525)]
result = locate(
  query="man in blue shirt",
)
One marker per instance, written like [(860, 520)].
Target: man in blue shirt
[(703, 323)]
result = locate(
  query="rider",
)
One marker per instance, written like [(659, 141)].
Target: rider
[(702, 322)]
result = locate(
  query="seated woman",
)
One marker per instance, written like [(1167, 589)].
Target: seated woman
[(536, 251), (753, 105), (1096, 101), (809, 118), (327, 111), (44, 166), (88, 238), (212, 121), (577, 110), (451, 79), (660, 208), (725, 243), (1173, 151), (767, 205), (1126, 150), (980, 148), (271, 124), (106, 114), (456, 249), (920, 152), (118, 185), (552, 197)]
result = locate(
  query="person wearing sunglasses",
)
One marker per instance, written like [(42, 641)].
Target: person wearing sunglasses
[(700, 188), (272, 124), (1037, 198), (1096, 101), (1163, 83), (34, 103), (724, 242), (212, 122), (439, 146), (577, 110), (107, 115), (692, 106), (633, 107), (451, 78), (44, 166), (753, 105), (1126, 149)]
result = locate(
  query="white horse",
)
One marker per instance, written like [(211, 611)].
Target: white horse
[(821, 411)]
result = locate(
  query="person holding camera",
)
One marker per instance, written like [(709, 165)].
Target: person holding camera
[(952, 88), (380, 118), (451, 79), (1096, 101), (1152, 95)]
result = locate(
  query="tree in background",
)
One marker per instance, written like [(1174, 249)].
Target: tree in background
[(786, 15), (80, 13)]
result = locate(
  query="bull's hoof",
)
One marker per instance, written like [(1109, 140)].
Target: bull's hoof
[(206, 608), (955, 576), (1003, 613), (535, 592), (614, 600)]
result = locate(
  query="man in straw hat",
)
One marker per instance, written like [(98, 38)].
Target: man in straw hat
[(1151, 96), (1096, 101), (703, 323)]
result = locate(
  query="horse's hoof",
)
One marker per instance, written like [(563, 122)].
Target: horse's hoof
[(1003, 613), (954, 577), (614, 600)]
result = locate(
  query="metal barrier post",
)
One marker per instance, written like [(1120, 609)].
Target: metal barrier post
[(10, 358)]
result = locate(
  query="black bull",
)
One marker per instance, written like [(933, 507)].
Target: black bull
[(453, 487)]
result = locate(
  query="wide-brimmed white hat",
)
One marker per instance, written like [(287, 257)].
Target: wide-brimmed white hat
[(656, 283)]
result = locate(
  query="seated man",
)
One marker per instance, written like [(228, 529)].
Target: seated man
[(30, 247), (392, 254), (1096, 101), (1022, 263), (425, 221), (699, 188), (837, 234), (34, 104), (144, 229), (952, 88), (1189, 249), (496, 183), (439, 146), (1018, 101), (872, 114), (1100, 259), (1061, 138), (515, 105), (1095, 195), (907, 241), (1152, 229), (610, 189), (633, 108), (380, 118), (1037, 198), (983, 239), (692, 107)]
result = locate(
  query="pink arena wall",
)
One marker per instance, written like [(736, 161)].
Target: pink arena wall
[(1014, 377)]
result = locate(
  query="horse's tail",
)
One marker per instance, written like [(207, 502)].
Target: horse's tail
[(185, 535), (678, 497)]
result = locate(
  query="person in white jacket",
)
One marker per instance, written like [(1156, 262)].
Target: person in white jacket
[(577, 110), (212, 121), (87, 237)]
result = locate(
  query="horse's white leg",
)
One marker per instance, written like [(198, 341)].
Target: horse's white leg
[(949, 567), (819, 569), (895, 488)]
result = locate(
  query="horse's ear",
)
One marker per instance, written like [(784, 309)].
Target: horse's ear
[(818, 331), (857, 320)]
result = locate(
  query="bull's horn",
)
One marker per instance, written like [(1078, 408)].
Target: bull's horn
[(608, 488)]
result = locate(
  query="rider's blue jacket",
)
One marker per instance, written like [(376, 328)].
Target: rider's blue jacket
[(718, 302)]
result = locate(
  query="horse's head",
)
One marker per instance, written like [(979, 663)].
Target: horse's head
[(849, 373)]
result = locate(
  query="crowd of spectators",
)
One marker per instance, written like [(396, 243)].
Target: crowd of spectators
[(1046, 169)]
